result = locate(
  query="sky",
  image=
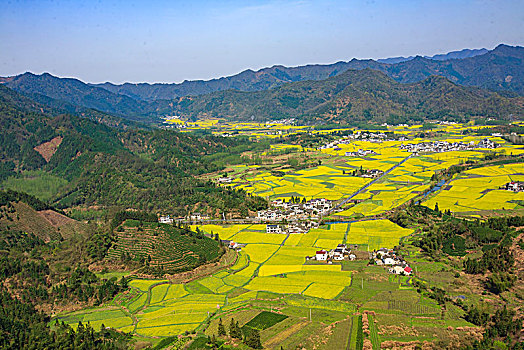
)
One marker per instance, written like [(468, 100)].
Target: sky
[(172, 41)]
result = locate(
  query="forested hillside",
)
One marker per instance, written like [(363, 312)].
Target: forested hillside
[(68, 94), (354, 95), (107, 166)]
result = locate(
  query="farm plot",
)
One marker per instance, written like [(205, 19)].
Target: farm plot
[(110, 317), (320, 182), (376, 233), (479, 189)]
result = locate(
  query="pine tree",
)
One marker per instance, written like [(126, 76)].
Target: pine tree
[(221, 328), (253, 339), (232, 329)]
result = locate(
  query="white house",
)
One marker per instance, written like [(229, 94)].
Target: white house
[(397, 270), (165, 220), (321, 255), (389, 261)]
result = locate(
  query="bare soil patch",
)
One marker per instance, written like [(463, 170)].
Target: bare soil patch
[(47, 149)]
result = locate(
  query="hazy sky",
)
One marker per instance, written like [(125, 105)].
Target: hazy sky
[(171, 41)]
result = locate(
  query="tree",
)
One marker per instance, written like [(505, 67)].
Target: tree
[(221, 328), (234, 330), (252, 338), (500, 282)]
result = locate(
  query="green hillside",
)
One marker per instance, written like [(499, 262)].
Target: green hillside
[(99, 165), (162, 248)]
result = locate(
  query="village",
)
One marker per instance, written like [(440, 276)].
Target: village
[(445, 146), (361, 136), (291, 211)]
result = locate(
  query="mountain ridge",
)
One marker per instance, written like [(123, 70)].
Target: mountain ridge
[(465, 70), (459, 54), (276, 75), (355, 95)]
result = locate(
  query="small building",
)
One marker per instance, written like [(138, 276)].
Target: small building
[(273, 229), (397, 270), (338, 254), (224, 180), (321, 255), (389, 261), (165, 220), (343, 247)]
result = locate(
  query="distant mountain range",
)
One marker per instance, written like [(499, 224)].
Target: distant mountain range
[(440, 57), (500, 70)]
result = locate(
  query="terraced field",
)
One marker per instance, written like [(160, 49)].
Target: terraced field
[(167, 247)]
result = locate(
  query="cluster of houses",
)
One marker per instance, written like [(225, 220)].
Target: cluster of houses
[(514, 186), (340, 253), (362, 136), (224, 180), (360, 153), (367, 173), (292, 228), (295, 211), (388, 257), (445, 146), (165, 219)]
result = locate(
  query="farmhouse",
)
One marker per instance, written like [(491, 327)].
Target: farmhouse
[(514, 186), (400, 270), (321, 255), (337, 254), (223, 180), (165, 220)]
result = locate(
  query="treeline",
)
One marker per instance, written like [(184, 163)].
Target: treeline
[(25, 270), (124, 215), (501, 325), (23, 327), (8, 196)]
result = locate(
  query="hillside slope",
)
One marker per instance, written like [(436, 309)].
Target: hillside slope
[(70, 93), (99, 165)]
